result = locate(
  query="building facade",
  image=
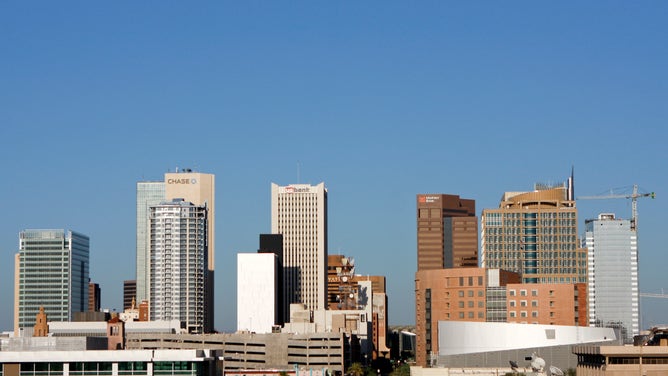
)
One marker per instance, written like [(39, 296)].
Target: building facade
[(130, 293), (149, 193), (257, 292), (178, 263), (455, 294), (547, 303), (94, 296), (195, 187), (613, 274), (535, 234), (299, 213), (52, 273), (447, 232)]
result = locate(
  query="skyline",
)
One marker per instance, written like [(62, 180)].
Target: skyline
[(381, 102)]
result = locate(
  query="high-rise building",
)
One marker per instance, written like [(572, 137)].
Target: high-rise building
[(197, 188), (130, 293), (257, 292), (53, 273), (273, 243), (535, 234), (299, 213), (447, 232), (200, 189), (94, 297), (178, 263), (149, 193), (613, 274)]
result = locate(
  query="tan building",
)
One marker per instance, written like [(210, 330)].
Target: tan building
[(456, 294), (547, 303), (535, 234), (199, 189), (649, 357), (447, 232)]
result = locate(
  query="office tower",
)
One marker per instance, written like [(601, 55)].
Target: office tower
[(199, 189), (53, 273), (178, 263), (130, 293), (273, 243), (94, 297), (257, 292), (535, 234), (613, 274), (149, 193), (299, 212), (447, 232)]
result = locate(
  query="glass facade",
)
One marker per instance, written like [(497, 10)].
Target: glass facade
[(53, 273), (613, 274), (149, 193)]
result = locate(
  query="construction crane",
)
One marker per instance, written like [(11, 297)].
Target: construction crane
[(634, 202)]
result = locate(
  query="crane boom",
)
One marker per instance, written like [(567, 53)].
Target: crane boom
[(634, 202)]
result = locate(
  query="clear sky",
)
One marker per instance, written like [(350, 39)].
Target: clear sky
[(381, 100)]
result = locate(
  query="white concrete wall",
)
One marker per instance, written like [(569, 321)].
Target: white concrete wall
[(256, 291)]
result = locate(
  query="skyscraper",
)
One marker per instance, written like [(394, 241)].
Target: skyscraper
[(535, 234), (130, 293), (447, 232), (200, 189), (149, 193), (197, 188), (178, 263), (613, 274), (53, 273), (299, 213), (257, 292)]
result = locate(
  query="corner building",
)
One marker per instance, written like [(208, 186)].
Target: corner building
[(535, 234), (299, 213), (447, 232)]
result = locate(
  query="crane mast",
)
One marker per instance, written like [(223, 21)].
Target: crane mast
[(634, 202)]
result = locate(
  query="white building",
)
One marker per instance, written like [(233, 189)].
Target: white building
[(257, 292), (613, 274), (178, 263), (299, 213), (149, 193)]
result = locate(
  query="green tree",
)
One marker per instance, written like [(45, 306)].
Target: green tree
[(356, 369), (402, 370)]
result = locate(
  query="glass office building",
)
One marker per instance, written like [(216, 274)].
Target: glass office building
[(149, 193), (53, 267), (613, 274)]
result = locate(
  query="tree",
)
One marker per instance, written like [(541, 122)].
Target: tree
[(402, 370), (356, 369)]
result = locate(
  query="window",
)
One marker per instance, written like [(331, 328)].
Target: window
[(512, 314), (534, 303), (512, 303), (534, 292), (471, 293), (461, 304), (470, 315), (523, 314), (523, 303), (461, 315), (461, 293), (470, 303), (523, 292), (534, 314), (512, 292)]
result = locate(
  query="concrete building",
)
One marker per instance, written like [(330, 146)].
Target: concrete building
[(103, 362), (486, 344), (648, 357), (53, 270), (129, 293), (535, 234), (149, 193), (179, 255), (259, 351), (447, 232), (457, 294), (257, 292), (613, 274), (299, 213), (273, 243)]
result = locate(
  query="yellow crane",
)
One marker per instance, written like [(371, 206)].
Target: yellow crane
[(634, 202)]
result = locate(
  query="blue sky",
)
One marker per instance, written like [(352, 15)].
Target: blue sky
[(380, 100)]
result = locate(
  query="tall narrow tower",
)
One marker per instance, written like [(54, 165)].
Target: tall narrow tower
[(613, 274), (178, 263), (149, 193), (53, 273), (299, 213)]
